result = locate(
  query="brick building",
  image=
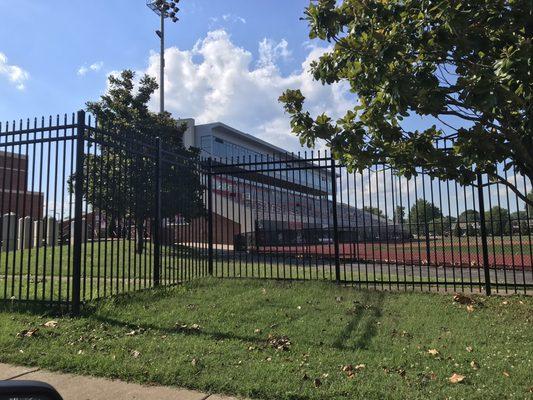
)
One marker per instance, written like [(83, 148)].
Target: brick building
[(15, 196)]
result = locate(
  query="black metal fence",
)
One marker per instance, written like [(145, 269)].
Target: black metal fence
[(83, 213), (306, 217), (87, 213)]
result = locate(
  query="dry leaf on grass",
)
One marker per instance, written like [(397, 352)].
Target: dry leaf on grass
[(28, 332), (456, 378), (135, 354), (317, 382), (470, 308), (433, 352), (506, 374), (50, 324), (282, 343), (462, 299), (474, 365), (469, 349)]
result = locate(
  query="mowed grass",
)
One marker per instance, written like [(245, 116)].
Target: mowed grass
[(223, 336), (107, 268)]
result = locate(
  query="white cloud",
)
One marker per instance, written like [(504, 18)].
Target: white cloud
[(15, 74), (218, 81), (270, 52), (97, 66), (228, 18)]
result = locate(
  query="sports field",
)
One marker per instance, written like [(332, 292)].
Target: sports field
[(504, 252)]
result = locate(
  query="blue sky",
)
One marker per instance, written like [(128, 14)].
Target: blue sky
[(51, 40)]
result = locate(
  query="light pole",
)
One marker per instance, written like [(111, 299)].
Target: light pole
[(165, 9)]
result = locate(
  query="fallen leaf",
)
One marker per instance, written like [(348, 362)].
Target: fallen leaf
[(506, 374), (432, 376), (433, 352), (462, 299), (470, 308), (282, 343), (360, 367), (194, 362), (474, 365), (338, 299), (456, 378), (257, 331), (135, 354), (305, 377), (28, 332), (50, 324), (469, 349), (317, 382), (347, 368)]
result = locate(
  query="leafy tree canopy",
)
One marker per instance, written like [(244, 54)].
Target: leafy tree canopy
[(464, 63), (121, 175), (469, 216), (421, 213)]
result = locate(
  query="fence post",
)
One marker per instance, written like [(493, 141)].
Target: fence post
[(157, 222), (335, 222), (210, 216), (483, 231), (78, 213)]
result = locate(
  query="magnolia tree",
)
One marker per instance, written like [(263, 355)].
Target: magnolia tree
[(464, 63)]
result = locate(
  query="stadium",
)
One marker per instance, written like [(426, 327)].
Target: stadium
[(264, 196)]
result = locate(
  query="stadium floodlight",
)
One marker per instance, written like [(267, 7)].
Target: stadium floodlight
[(165, 9)]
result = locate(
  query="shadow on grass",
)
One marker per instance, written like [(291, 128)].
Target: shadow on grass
[(183, 330), (361, 329)]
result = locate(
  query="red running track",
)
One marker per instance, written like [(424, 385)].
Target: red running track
[(408, 253)]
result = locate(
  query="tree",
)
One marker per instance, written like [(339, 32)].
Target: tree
[(121, 178), (469, 216), (421, 214), (441, 225), (374, 211), (399, 215), (465, 65), (497, 221), (520, 223)]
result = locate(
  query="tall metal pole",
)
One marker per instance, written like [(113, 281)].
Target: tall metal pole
[(162, 66)]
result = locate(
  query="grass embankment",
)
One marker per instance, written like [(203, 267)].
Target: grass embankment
[(275, 340)]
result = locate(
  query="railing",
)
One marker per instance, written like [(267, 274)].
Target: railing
[(87, 213), (77, 225)]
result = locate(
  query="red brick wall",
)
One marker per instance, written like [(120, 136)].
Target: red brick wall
[(224, 231), (13, 171), (14, 194), (29, 203)]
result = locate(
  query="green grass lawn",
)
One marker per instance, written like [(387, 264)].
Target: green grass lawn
[(107, 267), (223, 336)]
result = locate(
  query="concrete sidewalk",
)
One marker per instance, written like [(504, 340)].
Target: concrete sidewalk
[(75, 387)]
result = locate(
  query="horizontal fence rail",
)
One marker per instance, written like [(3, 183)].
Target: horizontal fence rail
[(89, 213)]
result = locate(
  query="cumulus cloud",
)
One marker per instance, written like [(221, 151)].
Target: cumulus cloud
[(15, 74), (270, 52), (95, 67), (217, 80)]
